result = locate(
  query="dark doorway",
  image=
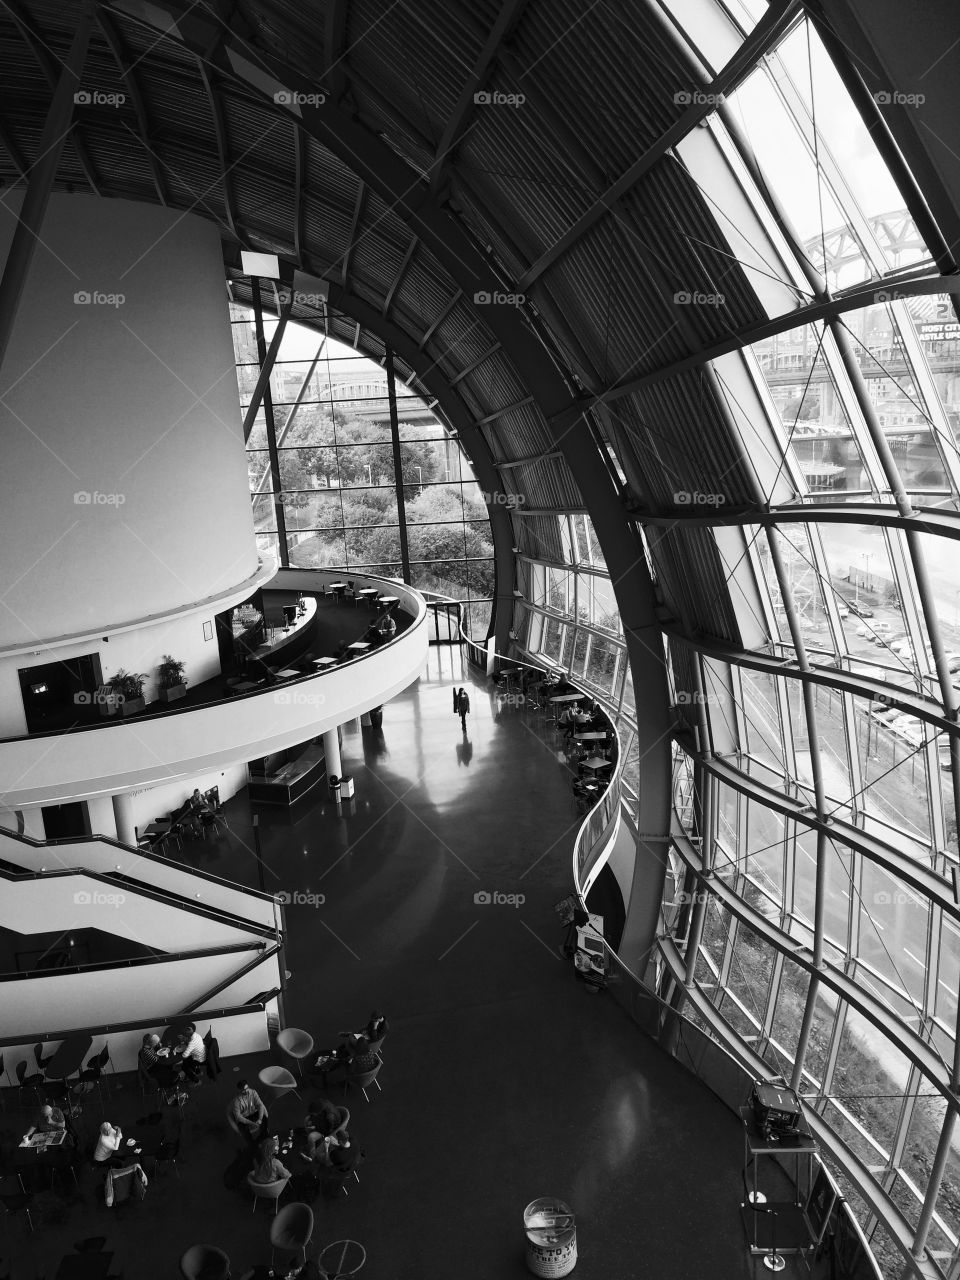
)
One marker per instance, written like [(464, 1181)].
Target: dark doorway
[(59, 695), (66, 821)]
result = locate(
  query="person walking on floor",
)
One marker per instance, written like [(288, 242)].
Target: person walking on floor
[(461, 705)]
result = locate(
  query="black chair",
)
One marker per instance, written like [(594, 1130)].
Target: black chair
[(167, 1153), (13, 1197), (33, 1081)]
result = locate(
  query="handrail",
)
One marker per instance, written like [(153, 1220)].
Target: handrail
[(215, 990), (201, 953), (8, 871), (94, 838), (172, 709)]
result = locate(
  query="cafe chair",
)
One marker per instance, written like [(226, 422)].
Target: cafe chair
[(296, 1044), (167, 1153), (148, 1083), (343, 1123), (13, 1197), (267, 1190), (209, 822), (363, 1080), (41, 1061), (33, 1081), (278, 1080), (335, 1181), (204, 1262), (62, 1160), (291, 1231)]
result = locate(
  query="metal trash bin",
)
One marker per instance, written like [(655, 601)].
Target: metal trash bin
[(346, 787), (551, 1232), (333, 782)]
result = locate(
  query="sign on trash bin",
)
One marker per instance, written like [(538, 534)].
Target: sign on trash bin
[(346, 787)]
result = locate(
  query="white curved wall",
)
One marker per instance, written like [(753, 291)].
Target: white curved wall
[(134, 404), (144, 752)]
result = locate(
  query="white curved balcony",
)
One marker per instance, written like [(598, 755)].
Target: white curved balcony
[(153, 748)]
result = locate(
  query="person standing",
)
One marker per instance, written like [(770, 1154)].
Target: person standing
[(462, 707)]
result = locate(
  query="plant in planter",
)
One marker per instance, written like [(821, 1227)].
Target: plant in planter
[(173, 682), (127, 688)]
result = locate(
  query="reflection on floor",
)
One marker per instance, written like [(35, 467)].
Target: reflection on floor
[(504, 1079)]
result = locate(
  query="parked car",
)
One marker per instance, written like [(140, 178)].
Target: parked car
[(861, 611)]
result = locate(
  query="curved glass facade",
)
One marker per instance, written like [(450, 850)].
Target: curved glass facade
[(816, 663), (322, 458)]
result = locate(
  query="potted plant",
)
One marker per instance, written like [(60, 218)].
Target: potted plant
[(127, 689), (173, 682)]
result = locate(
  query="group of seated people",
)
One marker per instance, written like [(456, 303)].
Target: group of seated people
[(330, 1152), (197, 811), (170, 1065), (582, 719)]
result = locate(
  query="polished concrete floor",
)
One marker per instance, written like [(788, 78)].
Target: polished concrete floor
[(504, 1079)]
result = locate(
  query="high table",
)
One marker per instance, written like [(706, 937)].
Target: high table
[(322, 663), (591, 735), (386, 603), (567, 697), (358, 646)]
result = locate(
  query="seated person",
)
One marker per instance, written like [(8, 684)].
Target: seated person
[(194, 1053), (200, 805), (331, 1060), (49, 1120), (149, 1057), (107, 1150), (268, 1167), (344, 1157), (354, 1062), (246, 1113), (321, 1121), (375, 1029), (386, 628)]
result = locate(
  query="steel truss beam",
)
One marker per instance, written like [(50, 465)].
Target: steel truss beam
[(454, 130), (111, 35), (51, 69), (388, 299), (56, 129), (921, 519), (527, 462), (914, 284), (220, 129), (769, 30)]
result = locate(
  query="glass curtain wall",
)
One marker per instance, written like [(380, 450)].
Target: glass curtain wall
[(322, 460), (854, 782)]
